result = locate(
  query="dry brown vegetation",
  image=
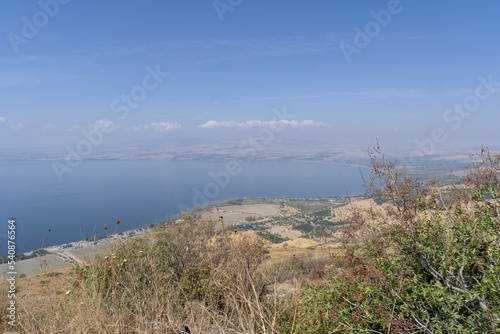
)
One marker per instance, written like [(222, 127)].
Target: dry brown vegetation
[(180, 278)]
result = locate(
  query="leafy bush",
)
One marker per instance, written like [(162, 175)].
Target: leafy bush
[(271, 237), (381, 201), (322, 214), (428, 263), (325, 223), (304, 227)]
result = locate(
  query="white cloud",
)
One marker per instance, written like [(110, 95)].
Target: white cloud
[(74, 127), (214, 124), (261, 124), (50, 128), (159, 127), (2, 120), (17, 126), (104, 124)]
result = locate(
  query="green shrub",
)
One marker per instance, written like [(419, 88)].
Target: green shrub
[(428, 264), (323, 213), (304, 227), (381, 201), (271, 237), (325, 223)]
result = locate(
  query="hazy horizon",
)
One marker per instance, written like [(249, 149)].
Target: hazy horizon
[(345, 72)]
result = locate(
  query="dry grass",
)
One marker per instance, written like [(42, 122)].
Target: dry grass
[(176, 276)]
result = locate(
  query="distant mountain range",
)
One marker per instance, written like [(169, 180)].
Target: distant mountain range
[(248, 149)]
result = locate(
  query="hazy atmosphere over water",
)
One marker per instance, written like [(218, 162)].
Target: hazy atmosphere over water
[(354, 70), (144, 192)]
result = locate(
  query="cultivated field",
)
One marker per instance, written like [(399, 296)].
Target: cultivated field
[(229, 217), (36, 265), (88, 253), (237, 213), (265, 210)]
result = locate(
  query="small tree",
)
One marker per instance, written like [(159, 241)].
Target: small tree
[(428, 261)]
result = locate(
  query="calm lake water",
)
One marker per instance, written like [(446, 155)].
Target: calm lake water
[(143, 192)]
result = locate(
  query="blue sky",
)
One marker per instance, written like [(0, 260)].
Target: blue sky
[(263, 55)]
